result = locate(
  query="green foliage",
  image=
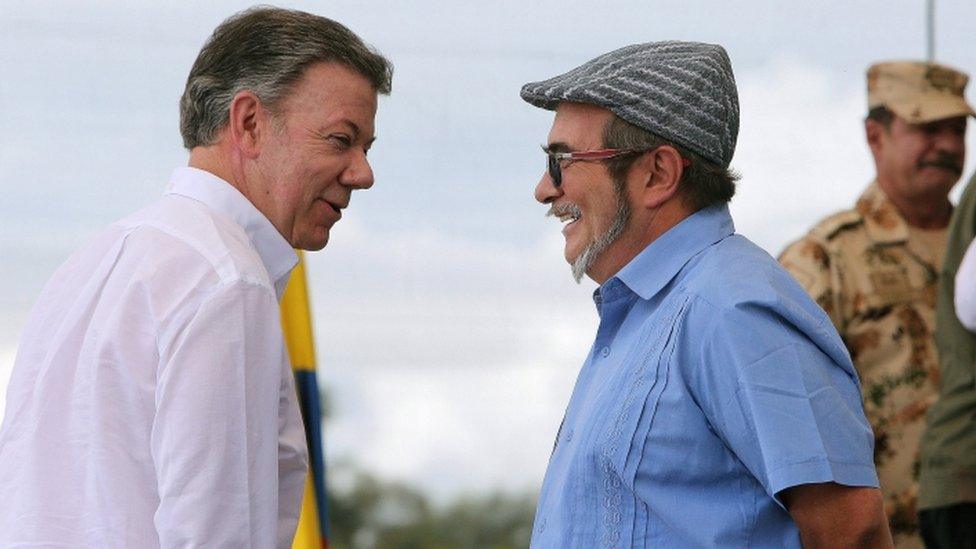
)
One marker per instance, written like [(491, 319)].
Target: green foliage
[(380, 514)]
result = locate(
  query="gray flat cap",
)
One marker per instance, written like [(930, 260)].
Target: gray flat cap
[(681, 91)]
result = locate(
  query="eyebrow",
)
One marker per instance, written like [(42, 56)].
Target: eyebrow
[(557, 146), (355, 128), (355, 131)]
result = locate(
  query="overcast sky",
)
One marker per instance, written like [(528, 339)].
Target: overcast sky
[(449, 330)]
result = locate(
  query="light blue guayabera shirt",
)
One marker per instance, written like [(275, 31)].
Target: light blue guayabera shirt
[(713, 384)]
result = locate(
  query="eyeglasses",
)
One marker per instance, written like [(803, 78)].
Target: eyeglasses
[(556, 158)]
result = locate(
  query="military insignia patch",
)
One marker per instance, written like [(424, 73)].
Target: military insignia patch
[(892, 284)]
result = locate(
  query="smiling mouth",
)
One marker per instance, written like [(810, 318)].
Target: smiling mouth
[(569, 222), (569, 218), (567, 213)]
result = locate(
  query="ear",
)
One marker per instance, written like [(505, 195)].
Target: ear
[(874, 131), (247, 123), (660, 172)]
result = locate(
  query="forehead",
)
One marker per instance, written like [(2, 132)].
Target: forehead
[(579, 124), (330, 93)]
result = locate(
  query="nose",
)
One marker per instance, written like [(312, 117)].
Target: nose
[(359, 174), (951, 141), (546, 191)]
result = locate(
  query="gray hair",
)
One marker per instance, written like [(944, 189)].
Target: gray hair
[(266, 50), (703, 184)]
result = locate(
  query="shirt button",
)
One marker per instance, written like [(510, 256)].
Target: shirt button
[(569, 436), (542, 526), (605, 351)]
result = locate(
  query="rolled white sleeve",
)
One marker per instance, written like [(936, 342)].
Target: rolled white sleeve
[(965, 292), (215, 437)]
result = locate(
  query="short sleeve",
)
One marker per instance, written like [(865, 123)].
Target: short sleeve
[(788, 411)]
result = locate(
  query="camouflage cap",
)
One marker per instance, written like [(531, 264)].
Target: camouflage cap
[(918, 92)]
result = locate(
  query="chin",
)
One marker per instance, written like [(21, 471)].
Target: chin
[(311, 244), (571, 256), (572, 251), (314, 247)]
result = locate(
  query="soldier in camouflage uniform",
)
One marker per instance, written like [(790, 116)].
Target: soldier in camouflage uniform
[(875, 268)]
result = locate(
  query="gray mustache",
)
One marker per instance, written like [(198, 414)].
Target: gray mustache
[(564, 209)]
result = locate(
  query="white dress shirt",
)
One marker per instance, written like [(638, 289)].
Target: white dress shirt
[(151, 402), (965, 293)]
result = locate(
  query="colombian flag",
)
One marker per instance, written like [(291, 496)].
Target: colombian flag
[(296, 321)]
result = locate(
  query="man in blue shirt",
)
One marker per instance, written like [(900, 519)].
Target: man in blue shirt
[(718, 407)]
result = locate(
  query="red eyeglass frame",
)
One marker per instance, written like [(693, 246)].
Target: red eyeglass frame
[(555, 169)]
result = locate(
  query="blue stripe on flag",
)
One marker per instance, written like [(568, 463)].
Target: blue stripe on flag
[(308, 395)]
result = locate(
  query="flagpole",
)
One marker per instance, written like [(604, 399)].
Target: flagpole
[(930, 30)]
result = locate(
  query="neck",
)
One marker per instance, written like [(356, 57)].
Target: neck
[(923, 212), (212, 159), (639, 235)]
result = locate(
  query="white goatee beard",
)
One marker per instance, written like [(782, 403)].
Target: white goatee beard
[(592, 252)]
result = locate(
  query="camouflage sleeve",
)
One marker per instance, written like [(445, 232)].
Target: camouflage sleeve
[(810, 264)]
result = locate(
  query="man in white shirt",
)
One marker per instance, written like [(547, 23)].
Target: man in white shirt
[(151, 402)]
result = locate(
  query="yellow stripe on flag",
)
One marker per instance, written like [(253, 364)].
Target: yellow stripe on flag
[(296, 319), (308, 535)]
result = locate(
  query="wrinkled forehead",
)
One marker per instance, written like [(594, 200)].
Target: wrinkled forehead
[(579, 125)]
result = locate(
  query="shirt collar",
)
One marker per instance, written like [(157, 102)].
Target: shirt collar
[(882, 221), (277, 255), (661, 260)]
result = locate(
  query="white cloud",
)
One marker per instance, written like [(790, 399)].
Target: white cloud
[(801, 150), (454, 429)]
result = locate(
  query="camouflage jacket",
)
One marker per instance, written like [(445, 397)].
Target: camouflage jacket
[(879, 288)]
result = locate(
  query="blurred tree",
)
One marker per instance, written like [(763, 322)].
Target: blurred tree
[(379, 514), (369, 513)]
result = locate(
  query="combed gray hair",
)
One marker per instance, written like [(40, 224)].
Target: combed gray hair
[(266, 50)]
